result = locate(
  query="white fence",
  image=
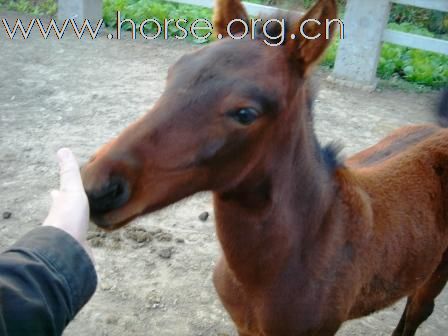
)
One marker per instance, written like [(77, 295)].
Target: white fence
[(415, 41), (365, 28)]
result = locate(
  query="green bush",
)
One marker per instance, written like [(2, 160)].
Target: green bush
[(416, 66), (309, 3), (139, 10), (434, 21), (36, 7)]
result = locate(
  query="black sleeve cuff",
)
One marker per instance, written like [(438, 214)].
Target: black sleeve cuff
[(65, 255)]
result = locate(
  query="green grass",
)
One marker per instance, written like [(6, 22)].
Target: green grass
[(396, 64), (36, 7)]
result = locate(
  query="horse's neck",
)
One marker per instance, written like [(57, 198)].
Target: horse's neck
[(271, 216)]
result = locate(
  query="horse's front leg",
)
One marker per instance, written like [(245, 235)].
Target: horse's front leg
[(420, 304)]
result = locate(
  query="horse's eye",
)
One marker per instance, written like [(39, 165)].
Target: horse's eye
[(245, 116)]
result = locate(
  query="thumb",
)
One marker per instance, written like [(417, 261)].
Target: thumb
[(69, 171)]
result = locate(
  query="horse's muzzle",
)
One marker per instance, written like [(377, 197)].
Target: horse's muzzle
[(113, 195)]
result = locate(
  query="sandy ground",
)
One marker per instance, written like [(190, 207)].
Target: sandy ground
[(155, 275)]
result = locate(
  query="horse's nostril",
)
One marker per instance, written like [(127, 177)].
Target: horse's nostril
[(112, 196)]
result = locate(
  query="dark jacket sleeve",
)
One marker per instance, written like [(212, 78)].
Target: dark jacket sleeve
[(45, 279)]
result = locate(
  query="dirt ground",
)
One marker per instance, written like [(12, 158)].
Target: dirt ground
[(155, 275)]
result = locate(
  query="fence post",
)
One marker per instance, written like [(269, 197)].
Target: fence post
[(80, 10), (359, 52)]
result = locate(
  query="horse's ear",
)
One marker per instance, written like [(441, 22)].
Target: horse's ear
[(225, 12), (313, 35)]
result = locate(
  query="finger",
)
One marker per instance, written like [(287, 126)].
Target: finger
[(69, 171)]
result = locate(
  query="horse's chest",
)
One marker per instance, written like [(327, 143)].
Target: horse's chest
[(283, 310)]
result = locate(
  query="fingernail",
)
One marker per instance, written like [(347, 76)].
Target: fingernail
[(64, 153)]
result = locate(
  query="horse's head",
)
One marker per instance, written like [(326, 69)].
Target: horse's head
[(224, 108)]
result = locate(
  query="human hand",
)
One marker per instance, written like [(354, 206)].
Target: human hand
[(70, 208)]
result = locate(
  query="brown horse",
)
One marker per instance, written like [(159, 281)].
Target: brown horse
[(309, 242)]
